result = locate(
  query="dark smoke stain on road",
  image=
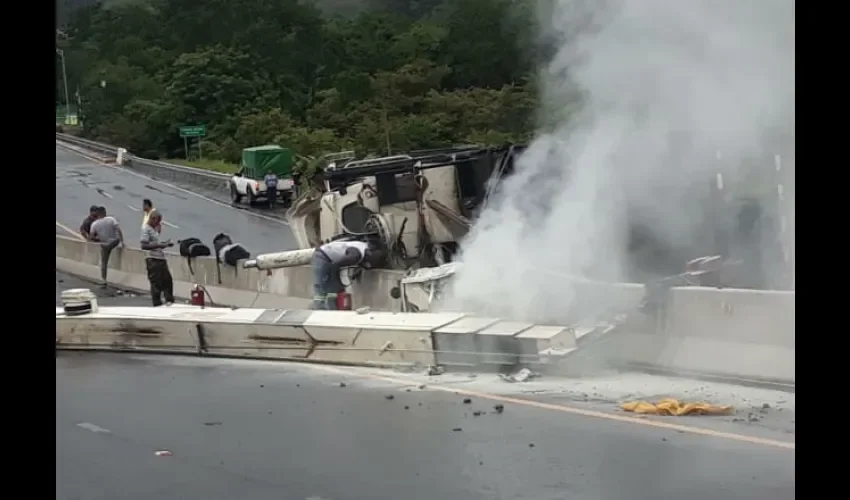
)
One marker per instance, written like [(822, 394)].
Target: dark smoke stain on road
[(154, 188)]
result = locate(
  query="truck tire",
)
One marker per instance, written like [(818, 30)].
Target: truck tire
[(251, 197), (234, 194)]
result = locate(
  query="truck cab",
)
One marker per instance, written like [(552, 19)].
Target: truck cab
[(248, 181)]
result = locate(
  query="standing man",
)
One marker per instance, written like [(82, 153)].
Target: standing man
[(85, 227), (328, 261), (147, 206), (158, 274), (271, 188), (106, 231)]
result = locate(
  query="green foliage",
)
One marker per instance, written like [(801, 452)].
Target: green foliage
[(376, 76)]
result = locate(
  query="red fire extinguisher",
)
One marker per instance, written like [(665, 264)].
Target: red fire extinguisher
[(196, 296), (343, 301)]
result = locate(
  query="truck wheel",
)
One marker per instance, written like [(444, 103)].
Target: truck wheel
[(251, 197), (234, 194)]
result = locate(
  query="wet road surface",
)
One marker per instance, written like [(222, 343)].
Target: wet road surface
[(81, 183), (263, 430)]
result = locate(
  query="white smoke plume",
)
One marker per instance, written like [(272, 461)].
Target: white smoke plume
[(665, 85)]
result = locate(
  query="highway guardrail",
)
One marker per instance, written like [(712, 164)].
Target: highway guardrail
[(155, 169)]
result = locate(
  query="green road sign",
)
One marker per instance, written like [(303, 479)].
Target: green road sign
[(193, 131)]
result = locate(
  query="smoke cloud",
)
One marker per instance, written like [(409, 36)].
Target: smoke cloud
[(664, 86)]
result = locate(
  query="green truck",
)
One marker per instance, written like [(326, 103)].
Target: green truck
[(256, 163)]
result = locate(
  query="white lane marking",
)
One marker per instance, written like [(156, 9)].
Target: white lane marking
[(93, 428), (172, 186), (135, 209), (170, 224)]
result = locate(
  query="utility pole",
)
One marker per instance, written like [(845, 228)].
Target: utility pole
[(65, 81)]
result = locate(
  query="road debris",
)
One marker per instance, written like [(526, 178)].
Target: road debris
[(163, 453), (499, 408), (520, 376), (389, 397), (467, 401), (457, 429), (434, 370), (675, 408), (210, 424)]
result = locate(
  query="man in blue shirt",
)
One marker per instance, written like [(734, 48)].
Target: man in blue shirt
[(271, 188)]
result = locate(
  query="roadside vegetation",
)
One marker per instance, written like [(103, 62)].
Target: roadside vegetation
[(316, 76)]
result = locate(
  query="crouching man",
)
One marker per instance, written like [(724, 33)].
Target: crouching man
[(328, 260), (158, 274)]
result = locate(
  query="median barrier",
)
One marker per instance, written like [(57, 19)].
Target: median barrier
[(730, 333), (239, 287), (345, 337)]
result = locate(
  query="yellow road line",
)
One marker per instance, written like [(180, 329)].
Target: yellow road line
[(743, 438)]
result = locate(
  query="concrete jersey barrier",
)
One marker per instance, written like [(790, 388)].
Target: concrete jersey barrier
[(747, 334), (374, 338), (239, 287)]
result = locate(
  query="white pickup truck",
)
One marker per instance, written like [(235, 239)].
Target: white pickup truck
[(248, 182)]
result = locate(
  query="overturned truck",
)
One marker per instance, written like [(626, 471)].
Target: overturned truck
[(414, 207)]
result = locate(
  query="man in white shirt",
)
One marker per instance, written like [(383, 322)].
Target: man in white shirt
[(106, 231), (328, 261), (159, 275)]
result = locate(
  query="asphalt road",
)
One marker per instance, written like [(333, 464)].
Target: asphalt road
[(270, 430), (81, 183), (265, 430)]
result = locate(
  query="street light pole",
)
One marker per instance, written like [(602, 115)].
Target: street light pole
[(65, 81)]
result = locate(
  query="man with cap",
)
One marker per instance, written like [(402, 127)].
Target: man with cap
[(159, 276), (85, 227)]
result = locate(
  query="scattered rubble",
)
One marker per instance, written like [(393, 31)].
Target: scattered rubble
[(520, 376)]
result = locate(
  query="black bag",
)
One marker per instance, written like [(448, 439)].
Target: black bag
[(193, 247), (233, 253), (228, 252)]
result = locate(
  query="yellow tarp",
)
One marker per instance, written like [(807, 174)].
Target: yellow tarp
[(675, 408)]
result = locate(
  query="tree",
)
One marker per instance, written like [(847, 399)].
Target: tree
[(384, 75)]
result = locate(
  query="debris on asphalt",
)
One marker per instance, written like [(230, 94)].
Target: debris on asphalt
[(457, 429), (210, 424), (499, 408), (434, 370), (477, 413), (467, 401), (389, 397), (421, 386), (531, 445), (163, 453), (520, 376), (262, 385), (342, 384), (363, 310), (406, 407)]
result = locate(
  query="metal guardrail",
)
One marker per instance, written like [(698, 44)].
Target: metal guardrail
[(158, 168)]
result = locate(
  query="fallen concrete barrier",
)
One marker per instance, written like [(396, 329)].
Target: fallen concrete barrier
[(375, 338)]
